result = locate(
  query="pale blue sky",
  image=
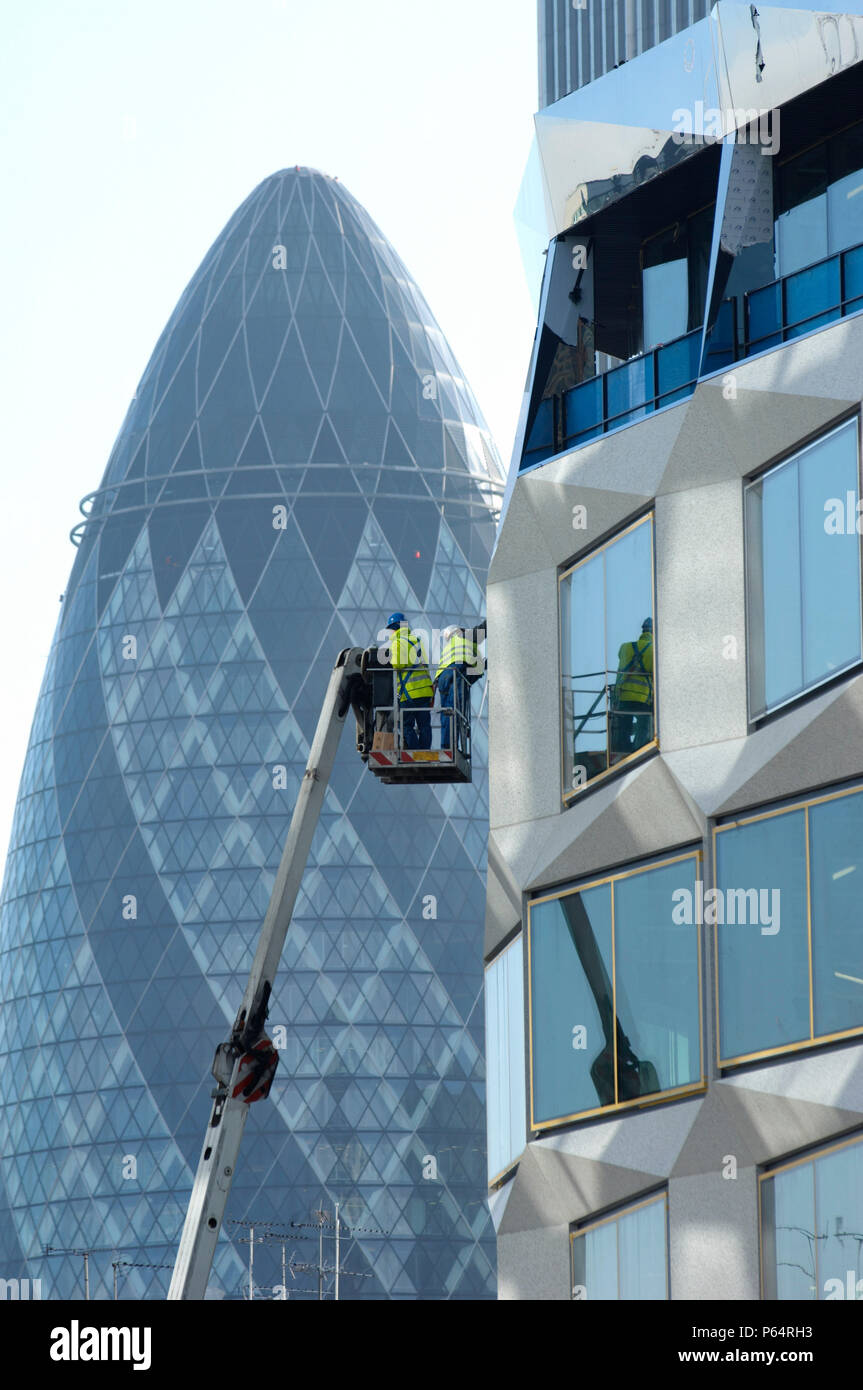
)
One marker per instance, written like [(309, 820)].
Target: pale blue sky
[(131, 131)]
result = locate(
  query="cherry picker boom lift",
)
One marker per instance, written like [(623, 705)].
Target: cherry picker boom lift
[(244, 1066)]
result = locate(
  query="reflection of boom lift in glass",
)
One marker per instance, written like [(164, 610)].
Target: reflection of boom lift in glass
[(634, 1077), (244, 1066)]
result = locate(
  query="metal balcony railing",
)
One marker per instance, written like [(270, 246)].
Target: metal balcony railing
[(772, 314)]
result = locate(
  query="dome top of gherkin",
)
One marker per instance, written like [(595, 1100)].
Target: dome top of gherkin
[(340, 380)]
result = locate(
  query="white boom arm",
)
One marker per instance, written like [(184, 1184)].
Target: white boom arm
[(228, 1117)]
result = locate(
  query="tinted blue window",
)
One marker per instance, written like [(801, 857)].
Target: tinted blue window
[(811, 1216), (624, 1257), (614, 1005), (505, 1053), (763, 962), (803, 571), (607, 656)]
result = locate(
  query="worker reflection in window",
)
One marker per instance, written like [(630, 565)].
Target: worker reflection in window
[(631, 721)]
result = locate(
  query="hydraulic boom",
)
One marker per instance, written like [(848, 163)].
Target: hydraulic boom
[(244, 1065)]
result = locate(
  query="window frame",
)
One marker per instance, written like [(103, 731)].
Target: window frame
[(756, 720), (579, 1229), (783, 1166), (689, 1088), (568, 796), (734, 822)]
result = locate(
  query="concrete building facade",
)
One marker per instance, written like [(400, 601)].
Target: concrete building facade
[(673, 945)]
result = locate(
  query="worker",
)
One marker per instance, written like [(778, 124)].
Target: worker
[(413, 682), (632, 695), (460, 665)]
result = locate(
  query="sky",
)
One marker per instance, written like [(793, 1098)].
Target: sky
[(130, 132)]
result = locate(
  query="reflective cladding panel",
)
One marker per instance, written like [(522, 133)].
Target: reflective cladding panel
[(803, 571), (300, 408), (787, 935), (811, 1219), (607, 657), (505, 1054), (599, 143), (624, 1256), (614, 970)]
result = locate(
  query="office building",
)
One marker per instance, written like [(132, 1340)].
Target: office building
[(673, 937)]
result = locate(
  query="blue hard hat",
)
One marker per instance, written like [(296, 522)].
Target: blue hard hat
[(395, 620)]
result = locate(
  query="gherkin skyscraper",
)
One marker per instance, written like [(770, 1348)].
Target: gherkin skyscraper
[(302, 457)]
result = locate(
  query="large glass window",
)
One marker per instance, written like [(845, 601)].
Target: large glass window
[(786, 916), (608, 656), (803, 570), (624, 1256), (614, 998), (504, 1042), (811, 1225)]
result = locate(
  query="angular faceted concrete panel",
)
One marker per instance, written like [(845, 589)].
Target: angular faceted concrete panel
[(797, 1101), (722, 439), (524, 705), (524, 549), (638, 815), (700, 666), (661, 1136), (714, 1245), (552, 1187), (503, 900), (534, 1264), (811, 745), (575, 518), (608, 464), (283, 480)]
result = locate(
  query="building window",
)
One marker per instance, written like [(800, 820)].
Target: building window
[(504, 1041), (614, 993), (812, 1226), (674, 275), (786, 917), (608, 660), (803, 571), (819, 200), (624, 1256)]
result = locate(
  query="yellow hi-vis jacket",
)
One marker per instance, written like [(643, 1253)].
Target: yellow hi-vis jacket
[(457, 650), (635, 671), (408, 660)]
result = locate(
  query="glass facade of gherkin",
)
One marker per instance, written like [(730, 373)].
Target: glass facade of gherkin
[(302, 457)]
